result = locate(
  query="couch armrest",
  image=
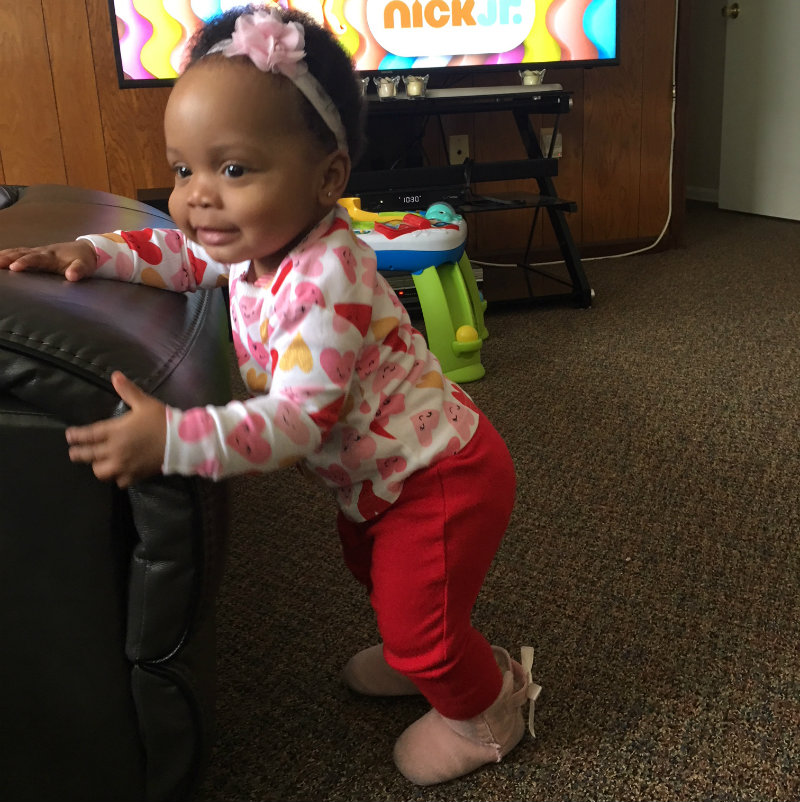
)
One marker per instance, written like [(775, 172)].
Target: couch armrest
[(163, 539), (46, 213)]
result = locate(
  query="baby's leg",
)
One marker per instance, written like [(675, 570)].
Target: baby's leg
[(430, 555)]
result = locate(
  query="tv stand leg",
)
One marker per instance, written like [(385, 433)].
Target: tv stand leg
[(581, 291)]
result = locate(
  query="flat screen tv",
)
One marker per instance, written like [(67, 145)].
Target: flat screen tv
[(441, 38)]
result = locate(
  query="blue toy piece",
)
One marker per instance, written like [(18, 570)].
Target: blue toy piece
[(442, 211), (431, 246)]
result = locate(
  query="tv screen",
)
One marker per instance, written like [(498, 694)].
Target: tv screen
[(399, 37)]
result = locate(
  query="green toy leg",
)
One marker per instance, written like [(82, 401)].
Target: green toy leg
[(453, 312), (477, 303)]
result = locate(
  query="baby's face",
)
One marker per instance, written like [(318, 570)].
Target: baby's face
[(249, 176)]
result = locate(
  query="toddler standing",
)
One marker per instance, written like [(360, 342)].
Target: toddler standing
[(260, 129)]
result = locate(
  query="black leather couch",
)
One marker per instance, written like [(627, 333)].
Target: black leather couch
[(107, 597)]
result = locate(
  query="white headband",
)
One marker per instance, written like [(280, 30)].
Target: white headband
[(277, 46)]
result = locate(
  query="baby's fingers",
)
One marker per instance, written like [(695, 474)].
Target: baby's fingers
[(77, 270), (34, 259), (10, 258), (75, 260), (91, 453), (107, 470), (87, 443)]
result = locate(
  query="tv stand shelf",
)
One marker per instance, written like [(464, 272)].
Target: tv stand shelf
[(453, 183), (502, 201)]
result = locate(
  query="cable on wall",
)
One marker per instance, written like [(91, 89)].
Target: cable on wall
[(669, 177)]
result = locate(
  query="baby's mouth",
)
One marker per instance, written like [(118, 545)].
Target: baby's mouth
[(215, 236)]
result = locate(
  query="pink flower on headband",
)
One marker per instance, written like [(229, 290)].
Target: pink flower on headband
[(270, 43), (273, 45)]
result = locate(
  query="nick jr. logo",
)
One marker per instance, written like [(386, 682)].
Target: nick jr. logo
[(419, 28)]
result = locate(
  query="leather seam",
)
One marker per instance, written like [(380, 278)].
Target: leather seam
[(39, 348)]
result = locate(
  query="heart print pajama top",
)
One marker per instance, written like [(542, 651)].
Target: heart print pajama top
[(340, 380)]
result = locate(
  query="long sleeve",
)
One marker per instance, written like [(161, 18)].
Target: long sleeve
[(341, 381), (301, 335), (157, 257)]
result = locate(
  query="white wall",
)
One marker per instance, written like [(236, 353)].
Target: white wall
[(706, 71)]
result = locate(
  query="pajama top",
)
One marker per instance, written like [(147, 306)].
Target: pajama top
[(341, 381)]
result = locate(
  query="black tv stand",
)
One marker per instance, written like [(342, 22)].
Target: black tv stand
[(453, 183)]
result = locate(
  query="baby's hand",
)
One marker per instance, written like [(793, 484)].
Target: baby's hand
[(74, 260), (124, 449)]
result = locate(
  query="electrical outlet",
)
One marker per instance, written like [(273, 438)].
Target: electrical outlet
[(546, 137), (458, 148)]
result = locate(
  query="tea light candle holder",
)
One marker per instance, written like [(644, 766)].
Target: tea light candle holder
[(387, 86), (531, 77), (416, 85)]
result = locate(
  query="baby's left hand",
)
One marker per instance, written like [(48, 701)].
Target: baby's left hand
[(127, 448)]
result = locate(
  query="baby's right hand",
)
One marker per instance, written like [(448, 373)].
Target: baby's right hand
[(74, 260)]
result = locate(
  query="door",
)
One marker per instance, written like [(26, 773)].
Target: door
[(760, 145)]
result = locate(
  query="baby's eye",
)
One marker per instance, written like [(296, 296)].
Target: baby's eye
[(234, 170), (181, 171)]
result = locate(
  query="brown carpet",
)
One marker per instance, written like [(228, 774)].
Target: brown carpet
[(653, 559)]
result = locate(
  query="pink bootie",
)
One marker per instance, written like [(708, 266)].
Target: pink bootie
[(368, 673), (435, 749)]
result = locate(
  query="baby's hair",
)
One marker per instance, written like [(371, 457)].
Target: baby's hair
[(327, 62)]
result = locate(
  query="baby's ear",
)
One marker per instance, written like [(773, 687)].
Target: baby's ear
[(335, 177)]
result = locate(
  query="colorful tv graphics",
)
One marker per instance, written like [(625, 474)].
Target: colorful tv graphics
[(390, 35)]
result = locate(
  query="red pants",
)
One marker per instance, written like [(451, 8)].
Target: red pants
[(423, 562)]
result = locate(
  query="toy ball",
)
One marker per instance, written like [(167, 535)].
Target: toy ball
[(466, 334)]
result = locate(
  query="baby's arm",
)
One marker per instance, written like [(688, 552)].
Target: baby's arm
[(159, 257), (267, 432), (313, 357), (315, 335), (74, 260), (262, 434)]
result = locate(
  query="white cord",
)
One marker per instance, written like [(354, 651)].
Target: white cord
[(671, 163)]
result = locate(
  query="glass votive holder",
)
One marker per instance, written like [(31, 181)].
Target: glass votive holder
[(416, 85), (531, 77), (387, 86), (365, 85)]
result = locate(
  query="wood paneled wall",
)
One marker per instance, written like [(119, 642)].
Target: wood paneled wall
[(616, 146), (64, 120)]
